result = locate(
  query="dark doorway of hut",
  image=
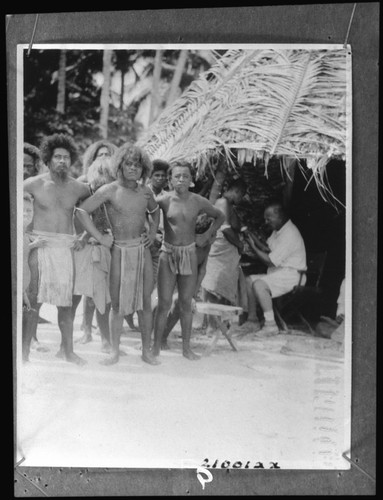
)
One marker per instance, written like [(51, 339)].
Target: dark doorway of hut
[(321, 220)]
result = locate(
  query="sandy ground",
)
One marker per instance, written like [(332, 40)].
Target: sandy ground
[(264, 403)]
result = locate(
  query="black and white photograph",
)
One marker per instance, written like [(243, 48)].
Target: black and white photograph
[(184, 256)]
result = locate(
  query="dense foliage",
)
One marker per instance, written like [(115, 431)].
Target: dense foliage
[(83, 90)]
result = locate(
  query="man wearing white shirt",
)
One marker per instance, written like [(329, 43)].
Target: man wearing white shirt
[(285, 257)]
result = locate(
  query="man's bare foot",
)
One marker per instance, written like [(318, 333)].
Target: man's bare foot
[(155, 351), (38, 346), (73, 358), (60, 353), (165, 346), (122, 353), (149, 358), (106, 347), (87, 337), (189, 354), (110, 360)]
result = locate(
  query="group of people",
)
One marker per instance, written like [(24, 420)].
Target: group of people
[(117, 238)]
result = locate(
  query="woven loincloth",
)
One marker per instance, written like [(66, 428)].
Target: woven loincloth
[(132, 275), (92, 266), (179, 257), (55, 262)]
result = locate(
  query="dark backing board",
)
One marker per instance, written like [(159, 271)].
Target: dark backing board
[(315, 23)]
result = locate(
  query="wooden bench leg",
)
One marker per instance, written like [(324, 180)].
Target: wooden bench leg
[(213, 343), (224, 330)]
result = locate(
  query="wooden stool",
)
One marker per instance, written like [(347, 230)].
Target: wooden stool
[(222, 313)]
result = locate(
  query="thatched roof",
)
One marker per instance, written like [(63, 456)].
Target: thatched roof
[(256, 104)]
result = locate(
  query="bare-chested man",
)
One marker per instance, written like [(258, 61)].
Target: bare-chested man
[(131, 271), (202, 252), (178, 260), (55, 195)]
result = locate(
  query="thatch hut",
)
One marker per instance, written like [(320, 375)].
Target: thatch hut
[(277, 118)]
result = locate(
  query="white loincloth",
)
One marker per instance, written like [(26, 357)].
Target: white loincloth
[(55, 262)]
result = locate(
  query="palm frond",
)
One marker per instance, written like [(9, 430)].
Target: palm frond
[(257, 104)]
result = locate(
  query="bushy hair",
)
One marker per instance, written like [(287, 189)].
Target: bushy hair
[(160, 165), (203, 223), (52, 142), (91, 153), (100, 172), (135, 154), (34, 152)]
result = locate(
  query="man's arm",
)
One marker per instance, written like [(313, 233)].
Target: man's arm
[(254, 238), (222, 205), (153, 211), (84, 192), (90, 205), (263, 256), (215, 213)]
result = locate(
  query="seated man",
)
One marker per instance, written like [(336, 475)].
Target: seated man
[(284, 256)]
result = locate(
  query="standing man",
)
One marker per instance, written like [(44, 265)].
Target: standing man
[(178, 259), (92, 263), (202, 252), (55, 195), (31, 161), (285, 257), (131, 272), (32, 166), (156, 183), (100, 151)]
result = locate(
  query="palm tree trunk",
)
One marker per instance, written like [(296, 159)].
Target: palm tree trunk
[(177, 76), (60, 106), (155, 87), (122, 89), (104, 102)]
